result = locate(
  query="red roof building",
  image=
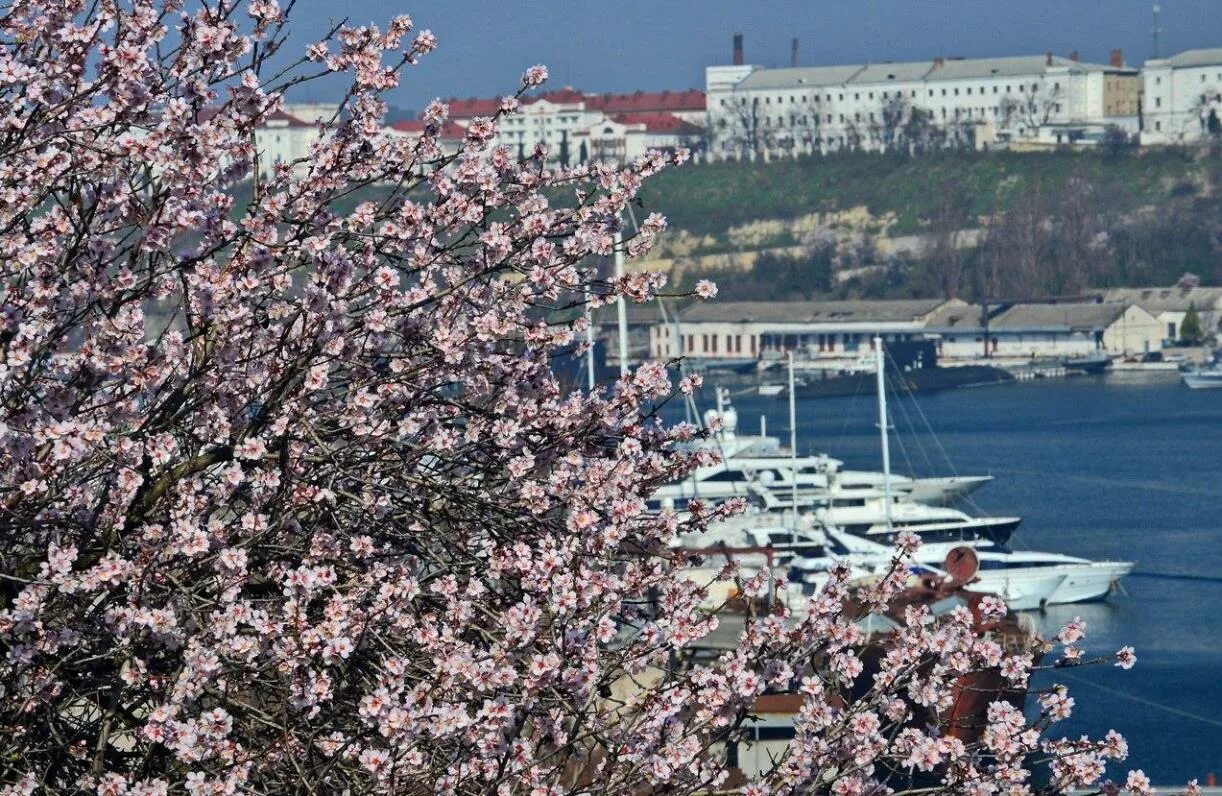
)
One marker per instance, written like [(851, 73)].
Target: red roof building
[(684, 103), (564, 121)]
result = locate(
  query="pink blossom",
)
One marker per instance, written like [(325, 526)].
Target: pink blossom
[(535, 76)]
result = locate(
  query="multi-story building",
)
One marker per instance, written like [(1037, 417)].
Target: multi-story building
[(286, 138), (1182, 101), (577, 127), (756, 111)]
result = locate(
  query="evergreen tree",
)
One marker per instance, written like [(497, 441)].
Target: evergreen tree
[(1190, 330)]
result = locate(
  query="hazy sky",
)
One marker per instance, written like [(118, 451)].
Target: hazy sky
[(623, 45)]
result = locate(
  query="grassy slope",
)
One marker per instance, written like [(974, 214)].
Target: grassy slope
[(709, 198)]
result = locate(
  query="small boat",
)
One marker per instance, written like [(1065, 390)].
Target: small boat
[(1096, 362), (1203, 380), (1208, 377)]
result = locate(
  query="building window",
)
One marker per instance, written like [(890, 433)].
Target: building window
[(1158, 102)]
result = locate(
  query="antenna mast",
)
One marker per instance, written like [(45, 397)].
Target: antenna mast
[(1156, 29)]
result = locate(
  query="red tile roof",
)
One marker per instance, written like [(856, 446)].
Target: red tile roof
[(562, 96), (450, 130), (658, 122), (466, 108), (646, 101)]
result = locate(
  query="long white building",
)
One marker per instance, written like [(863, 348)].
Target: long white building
[(1182, 98), (750, 330), (764, 112)]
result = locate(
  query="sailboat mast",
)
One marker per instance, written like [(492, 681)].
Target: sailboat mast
[(793, 443), (589, 345), (621, 309), (881, 359)]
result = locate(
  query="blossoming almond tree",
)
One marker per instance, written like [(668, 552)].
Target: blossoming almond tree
[(291, 500)]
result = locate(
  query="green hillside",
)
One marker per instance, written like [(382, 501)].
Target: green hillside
[(706, 199)]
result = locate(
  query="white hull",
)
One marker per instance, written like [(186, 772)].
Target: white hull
[(1027, 590), (1203, 380), (1026, 580)]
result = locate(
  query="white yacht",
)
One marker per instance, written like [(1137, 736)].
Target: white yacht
[(1026, 580), (754, 464)]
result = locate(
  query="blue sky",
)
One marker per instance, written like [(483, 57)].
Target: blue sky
[(623, 45)]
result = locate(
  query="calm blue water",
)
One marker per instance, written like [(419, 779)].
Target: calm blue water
[(1121, 466)]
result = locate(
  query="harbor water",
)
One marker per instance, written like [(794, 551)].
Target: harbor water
[(1122, 466)]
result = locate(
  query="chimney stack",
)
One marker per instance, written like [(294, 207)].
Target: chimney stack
[(939, 62), (738, 49), (793, 53), (1073, 56), (1048, 58), (1117, 59)]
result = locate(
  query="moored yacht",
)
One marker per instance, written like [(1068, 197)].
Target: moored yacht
[(1026, 580), (758, 463), (881, 518)]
